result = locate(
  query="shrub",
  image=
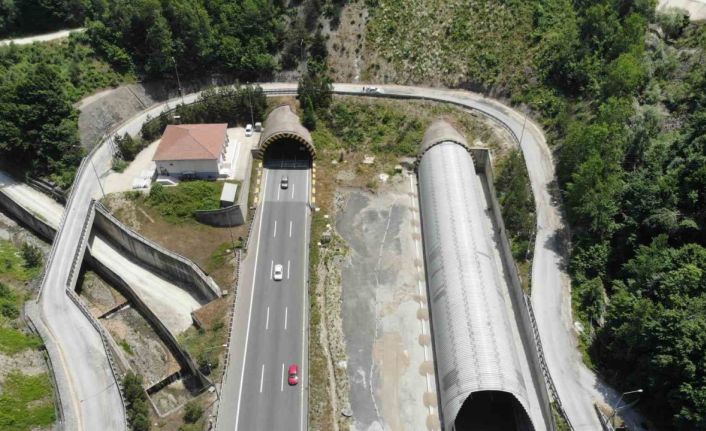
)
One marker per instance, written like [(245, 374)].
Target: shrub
[(32, 255), (673, 21), (136, 399), (129, 147), (192, 412), (119, 165)]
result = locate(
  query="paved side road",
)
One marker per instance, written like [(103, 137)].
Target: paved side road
[(696, 8), (62, 34), (90, 397)]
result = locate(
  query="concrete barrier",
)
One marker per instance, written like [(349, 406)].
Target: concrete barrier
[(235, 215), (174, 267), (221, 217), (34, 222), (530, 340), (182, 356)]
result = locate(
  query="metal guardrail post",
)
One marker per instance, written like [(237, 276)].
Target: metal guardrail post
[(543, 363)]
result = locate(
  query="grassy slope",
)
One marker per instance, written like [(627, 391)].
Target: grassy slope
[(77, 63), (448, 42), (26, 401)]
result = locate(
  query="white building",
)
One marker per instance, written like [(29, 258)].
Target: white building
[(192, 150)]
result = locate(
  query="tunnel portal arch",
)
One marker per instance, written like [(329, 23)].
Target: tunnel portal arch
[(284, 139)]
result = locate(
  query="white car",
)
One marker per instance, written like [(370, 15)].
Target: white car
[(278, 272), (248, 130)]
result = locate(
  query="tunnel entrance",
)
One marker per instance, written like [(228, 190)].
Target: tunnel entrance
[(492, 411), (287, 153)]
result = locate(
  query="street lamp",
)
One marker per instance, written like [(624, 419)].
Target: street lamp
[(611, 419)]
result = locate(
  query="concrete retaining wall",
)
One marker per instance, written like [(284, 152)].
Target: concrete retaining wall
[(222, 217), (235, 215), (182, 356), (175, 268), (27, 218), (482, 161)]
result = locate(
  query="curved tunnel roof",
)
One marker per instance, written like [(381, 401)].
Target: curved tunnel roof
[(473, 342), (438, 132), (282, 124)]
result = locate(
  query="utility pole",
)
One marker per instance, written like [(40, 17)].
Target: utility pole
[(249, 90), (176, 72), (97, 177), (522, 134)]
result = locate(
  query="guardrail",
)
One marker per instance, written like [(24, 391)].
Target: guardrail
[(543, 363), (81, 249), (106, 345), (69, 201), (47, 359)]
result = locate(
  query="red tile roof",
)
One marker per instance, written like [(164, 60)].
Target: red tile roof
[(191, 142)]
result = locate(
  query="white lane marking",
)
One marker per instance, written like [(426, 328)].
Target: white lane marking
[(290, 228), (304, 321), (285, 318), (274, 235), (262, 377), (288, 263), (281, 385), (272, 270), (267, 321), (278, 190), (252, 296), (292, 191)]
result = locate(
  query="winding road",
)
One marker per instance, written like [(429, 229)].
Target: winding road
[(61, 34), (577, 386)]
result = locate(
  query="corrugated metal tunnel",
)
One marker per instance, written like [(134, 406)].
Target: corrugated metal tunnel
[(479, 378)]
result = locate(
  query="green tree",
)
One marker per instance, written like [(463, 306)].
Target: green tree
[(625, 75), (592, 196), (136, 400), (31, 254), (159, 48), (309, 118)]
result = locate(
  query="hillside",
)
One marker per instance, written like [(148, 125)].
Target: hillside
[(620, 91)]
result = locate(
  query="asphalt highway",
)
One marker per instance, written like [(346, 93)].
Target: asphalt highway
[(256, 394)]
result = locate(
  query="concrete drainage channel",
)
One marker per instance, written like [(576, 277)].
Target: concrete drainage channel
[(182, 270)]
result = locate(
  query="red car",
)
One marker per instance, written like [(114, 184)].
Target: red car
[(293, 375)]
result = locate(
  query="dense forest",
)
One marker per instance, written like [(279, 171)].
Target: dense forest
[(26, 17), (622, 94), (127, 40)]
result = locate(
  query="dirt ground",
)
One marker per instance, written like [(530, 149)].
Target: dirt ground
[(385, 319), (375, 336), (139, 345), (195, 241), (347, 42)]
